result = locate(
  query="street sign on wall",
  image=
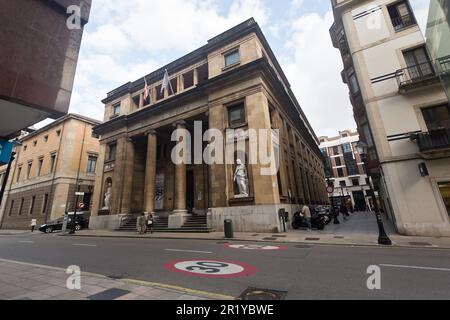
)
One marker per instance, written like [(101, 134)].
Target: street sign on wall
[(6, 148)]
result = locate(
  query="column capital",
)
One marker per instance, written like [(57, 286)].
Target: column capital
[(151, 132), (179, 123)]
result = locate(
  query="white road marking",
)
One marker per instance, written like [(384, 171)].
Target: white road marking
[(84, 245), (26, 241), (414, 267), (190, 251)]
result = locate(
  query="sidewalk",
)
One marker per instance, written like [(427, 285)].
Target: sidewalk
[(24, 281), (360, 229)]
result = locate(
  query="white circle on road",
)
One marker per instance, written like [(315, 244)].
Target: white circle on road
[(254, 247), (209, 267)]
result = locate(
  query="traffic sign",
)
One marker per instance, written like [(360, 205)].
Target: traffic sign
[(255, 247), (79, 193), (211, 268), (6, 148), (330, 189), (81, 205)]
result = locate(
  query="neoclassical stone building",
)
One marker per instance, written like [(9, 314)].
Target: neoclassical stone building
[(233, 82)]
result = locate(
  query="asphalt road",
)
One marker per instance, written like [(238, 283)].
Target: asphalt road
[(304, 272)]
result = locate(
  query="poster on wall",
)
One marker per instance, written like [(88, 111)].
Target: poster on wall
[(159, 191)]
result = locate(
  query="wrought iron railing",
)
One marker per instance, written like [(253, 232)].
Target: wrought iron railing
[(416, 73), (403, 22), (433, 140)]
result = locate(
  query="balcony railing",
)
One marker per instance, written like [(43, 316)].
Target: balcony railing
[(403, 22), (436, 140), (416, 75)]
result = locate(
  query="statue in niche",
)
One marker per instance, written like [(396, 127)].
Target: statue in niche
[(107, 197), (241, 179)]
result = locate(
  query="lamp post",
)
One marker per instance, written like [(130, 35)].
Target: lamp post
[(382, 236), (331, 191)]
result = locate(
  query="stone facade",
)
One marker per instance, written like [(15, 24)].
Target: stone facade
[(137, 142), (42, 182)]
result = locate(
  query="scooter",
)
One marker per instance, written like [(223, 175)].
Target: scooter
[(317, 221)]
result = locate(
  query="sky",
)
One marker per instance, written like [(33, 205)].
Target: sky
[(126, 40)]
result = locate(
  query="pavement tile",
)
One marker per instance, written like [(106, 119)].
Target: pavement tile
[(33, 296), (53, 291), (187, 297), (129, 296)]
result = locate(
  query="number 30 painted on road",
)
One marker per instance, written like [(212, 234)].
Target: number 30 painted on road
[(211, 268)]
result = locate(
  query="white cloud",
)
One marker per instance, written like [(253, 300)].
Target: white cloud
[(314, 73)]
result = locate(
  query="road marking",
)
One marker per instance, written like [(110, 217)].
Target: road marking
[(212, 295), (26, 241), (190, 251), (414, 267), (211, 268), (84, 245)]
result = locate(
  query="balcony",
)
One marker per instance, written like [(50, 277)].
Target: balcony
[(416, 76), (403, 22), (434, 143)]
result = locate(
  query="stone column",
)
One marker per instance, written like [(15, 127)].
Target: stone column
[(150, 172), (128, 177), (179, 216)]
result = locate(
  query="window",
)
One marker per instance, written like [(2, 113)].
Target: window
[(116, 109), (11, 208), (444, 188), (29, 165), (19, 172), (33, 200), (58, 133), (335, 150), (355, 182), (112, 152), (437, 117), (353, 82), (40, 164), (236, 115), (347, 147), (25, 147), (35, 143), (418, 63), (340, 172), (401, 15), (44, 204), (46, 138), (52, 162), (92, 163), (188, 79), (338, 161), (232, 58), (21, 206), (368, 135), (343, 183)]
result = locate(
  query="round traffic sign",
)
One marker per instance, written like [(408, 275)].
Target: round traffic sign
[(81, 205), (211, 268), (330, 189), (255, 247)]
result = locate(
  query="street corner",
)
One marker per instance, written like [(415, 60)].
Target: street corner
[(211, 268)]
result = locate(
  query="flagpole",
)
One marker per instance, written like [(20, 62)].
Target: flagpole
[(170, 83)]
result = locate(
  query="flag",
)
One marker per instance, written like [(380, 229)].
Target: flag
[(146, 90), (166, 83)]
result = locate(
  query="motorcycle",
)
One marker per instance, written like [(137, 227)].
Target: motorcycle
[(317, 221)]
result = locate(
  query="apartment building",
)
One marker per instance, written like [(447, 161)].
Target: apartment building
[(233, 82), (345, 170), (401, 110), (44, 174)]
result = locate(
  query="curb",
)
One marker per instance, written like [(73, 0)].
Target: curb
[(362, 245)]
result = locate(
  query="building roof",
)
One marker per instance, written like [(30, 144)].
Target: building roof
[(58, 122)]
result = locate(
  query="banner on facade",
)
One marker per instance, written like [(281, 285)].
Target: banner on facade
[(159, 191), (6, 148)]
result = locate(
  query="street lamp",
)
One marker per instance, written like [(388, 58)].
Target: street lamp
[(382, 236), (74, 219)]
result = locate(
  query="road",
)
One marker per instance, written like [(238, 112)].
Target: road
[(303, 272)]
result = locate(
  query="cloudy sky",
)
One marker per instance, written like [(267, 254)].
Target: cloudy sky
[(125, 40)]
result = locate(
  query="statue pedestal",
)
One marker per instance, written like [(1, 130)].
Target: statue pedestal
[(178, 219), (103, 212)]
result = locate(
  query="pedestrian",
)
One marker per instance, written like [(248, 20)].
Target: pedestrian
[(141, 223), (33, 224), (344, 211), (150, 223), (306, 212)]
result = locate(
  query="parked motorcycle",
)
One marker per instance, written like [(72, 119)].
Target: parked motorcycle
[(317, 221)]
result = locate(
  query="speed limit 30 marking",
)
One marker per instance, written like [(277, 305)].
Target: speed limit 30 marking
[(255, 247), (211, 268)]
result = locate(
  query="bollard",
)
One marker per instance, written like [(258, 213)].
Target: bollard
[(228, 227)]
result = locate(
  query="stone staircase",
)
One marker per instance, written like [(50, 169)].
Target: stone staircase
[(194, 224)]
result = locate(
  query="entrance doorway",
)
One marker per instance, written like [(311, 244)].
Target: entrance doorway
[(190, 187), (360, 200)]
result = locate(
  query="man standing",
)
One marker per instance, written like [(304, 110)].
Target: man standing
[(141, 223), (306, 212), (33, 224)]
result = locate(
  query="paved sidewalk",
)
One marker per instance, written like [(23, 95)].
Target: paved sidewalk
[(24, 281), (360, 229)]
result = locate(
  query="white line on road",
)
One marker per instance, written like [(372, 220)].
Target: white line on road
[(26, 241), (84, 245), (414, 267), (190, 251)]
